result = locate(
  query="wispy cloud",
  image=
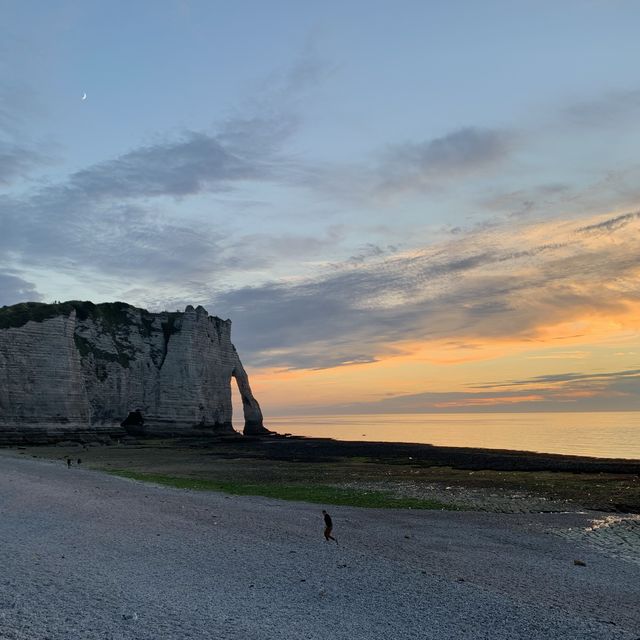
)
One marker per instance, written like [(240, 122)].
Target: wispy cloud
[(260, 250), (561, 355), (420, 165), (18, 161), (18, 103), (611, 108), (492, 285), (562, 378), (109, 216), (610, 391), (123, 216), (18, 157), (62, 229), (523, 203), (400, 168), (197, 162), (611, 224)]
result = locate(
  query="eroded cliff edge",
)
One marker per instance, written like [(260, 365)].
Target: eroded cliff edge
[(77, 369)]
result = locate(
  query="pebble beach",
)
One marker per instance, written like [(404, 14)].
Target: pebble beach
[(86, 555)]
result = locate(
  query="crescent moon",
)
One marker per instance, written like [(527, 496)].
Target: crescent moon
[(84, 96)]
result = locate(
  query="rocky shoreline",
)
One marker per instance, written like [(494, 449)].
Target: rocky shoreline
[(306, 449), (476, 479)]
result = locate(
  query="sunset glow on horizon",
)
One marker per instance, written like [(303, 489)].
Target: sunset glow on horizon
[(536, 350), (449, 224)]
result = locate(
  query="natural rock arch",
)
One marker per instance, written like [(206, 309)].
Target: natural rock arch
[(251, 409), (75, 369)]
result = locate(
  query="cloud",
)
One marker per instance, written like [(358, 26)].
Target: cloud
[(105, 217), (610, 391), (138, 244), (14, 289), (18, 157), (370, 251), (292, 84), (60, 231), (562, 355), (308, 72), (257, 136), (607, 399), (18, 103), (459, 153), (569, 377), (17, 161), (611, 224), (401, 168), (260, 250), (197, 162), (524, 202), (111, 218), (488, 286), (612, 108)]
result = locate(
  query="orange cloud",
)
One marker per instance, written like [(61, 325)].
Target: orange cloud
[(531, 307), (574, 395)]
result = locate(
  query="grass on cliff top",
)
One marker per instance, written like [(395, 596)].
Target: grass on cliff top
[(320, 494), (17, 315)]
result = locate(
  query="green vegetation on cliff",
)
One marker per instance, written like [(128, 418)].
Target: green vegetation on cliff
[(110, 313)]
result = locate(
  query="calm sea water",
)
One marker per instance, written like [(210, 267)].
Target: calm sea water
[(604, 435)]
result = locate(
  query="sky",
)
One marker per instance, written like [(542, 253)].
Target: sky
[(408, 206)]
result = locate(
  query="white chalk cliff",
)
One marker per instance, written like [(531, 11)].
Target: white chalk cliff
[(77, 369)]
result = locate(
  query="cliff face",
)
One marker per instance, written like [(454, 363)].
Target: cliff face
[(77, 370)]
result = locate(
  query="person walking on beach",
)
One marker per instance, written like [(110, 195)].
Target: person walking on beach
[(328, 527)]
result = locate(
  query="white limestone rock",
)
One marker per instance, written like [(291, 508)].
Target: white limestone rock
[(78, 369)]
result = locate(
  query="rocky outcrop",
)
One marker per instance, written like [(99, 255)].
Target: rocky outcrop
[(77, 369)]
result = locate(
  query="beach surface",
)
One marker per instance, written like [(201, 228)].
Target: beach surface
[(86, 555)]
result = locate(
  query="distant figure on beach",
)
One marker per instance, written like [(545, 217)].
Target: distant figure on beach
[(68, 463), (79, 461), (328, 527)]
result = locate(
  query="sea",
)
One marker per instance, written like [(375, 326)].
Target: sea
[(613, 434)]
